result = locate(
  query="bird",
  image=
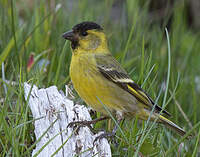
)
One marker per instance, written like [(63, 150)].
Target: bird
[(103, 84)]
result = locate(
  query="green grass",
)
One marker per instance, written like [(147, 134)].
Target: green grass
[(158, 63)]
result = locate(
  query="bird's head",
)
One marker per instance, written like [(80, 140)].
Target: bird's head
[(87, 37)]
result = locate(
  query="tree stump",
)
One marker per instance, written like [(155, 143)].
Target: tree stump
[(52, 112)]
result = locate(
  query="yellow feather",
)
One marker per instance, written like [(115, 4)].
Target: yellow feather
[(96, 75), (139, 94)]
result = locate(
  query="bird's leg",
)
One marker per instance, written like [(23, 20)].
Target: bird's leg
[(87, 123), (110, 134)]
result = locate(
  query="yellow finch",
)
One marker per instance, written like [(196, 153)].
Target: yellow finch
[(99, 79)]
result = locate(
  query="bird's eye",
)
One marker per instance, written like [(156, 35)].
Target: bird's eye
[(84, 33)]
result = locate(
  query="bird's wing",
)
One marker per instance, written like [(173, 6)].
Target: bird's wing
[(111, 70)]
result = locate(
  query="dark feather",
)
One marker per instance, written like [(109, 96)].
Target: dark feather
[(157, 108), (84, 26), (113, 72)]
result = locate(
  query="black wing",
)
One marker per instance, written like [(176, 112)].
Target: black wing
[(111, 69)]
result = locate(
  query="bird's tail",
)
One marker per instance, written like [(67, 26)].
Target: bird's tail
[(171, 125), (161, 119)]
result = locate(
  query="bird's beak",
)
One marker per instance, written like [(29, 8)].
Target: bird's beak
[(69, 35)]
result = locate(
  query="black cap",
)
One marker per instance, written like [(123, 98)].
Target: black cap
[(84, 26)]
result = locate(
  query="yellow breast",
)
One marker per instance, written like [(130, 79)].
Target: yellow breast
[(84, 74), (96, 90)]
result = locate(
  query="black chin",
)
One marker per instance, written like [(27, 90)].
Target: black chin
[(74, 44)]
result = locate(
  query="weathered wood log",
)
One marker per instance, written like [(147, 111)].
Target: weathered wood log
[(53, 112)]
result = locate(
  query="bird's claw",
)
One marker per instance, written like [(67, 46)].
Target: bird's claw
[(79, 124), (104, 135)]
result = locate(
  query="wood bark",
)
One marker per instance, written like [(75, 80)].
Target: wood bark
[(52, 112)]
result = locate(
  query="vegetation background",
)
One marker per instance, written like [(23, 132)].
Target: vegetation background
[(31, 49)]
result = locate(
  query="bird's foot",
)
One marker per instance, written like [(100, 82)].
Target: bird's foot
[(79, 124), (110, 135), (104, 135)]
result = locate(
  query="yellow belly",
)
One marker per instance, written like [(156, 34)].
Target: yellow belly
[(96, 90)]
